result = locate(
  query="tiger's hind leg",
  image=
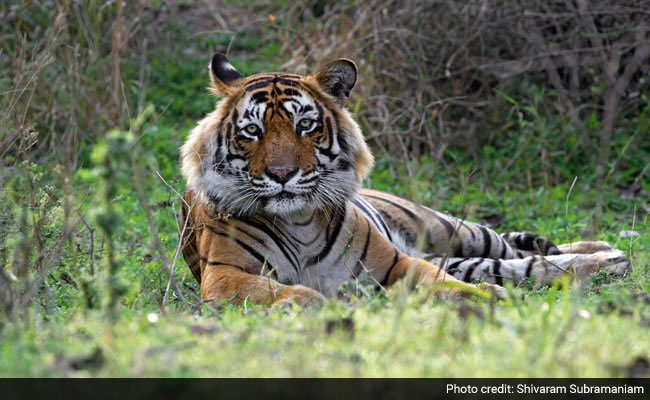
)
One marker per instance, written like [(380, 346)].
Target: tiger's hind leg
[(544, 269), (470, 251)]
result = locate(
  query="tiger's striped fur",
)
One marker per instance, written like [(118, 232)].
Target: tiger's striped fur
[(273, 212)]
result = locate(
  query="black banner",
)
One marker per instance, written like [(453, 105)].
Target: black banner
[(339, 389)]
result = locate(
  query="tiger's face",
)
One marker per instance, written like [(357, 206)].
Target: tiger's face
[(278, 143)]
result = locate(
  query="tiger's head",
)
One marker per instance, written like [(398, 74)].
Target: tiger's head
[(277, 143)]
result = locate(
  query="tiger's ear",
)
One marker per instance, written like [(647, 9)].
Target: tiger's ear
[(337, 78), (223, 76)]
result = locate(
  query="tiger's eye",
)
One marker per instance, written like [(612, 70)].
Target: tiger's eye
[(252, 128), (306, 123)]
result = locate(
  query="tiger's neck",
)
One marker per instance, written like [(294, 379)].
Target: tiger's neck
[(317, 217)]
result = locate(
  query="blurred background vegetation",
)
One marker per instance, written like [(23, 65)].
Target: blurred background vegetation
[(520, 114)]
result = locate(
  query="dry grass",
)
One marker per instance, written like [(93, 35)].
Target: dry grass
[(431, 71)]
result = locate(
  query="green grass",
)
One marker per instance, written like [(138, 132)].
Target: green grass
[(593, 330), (546, 333)]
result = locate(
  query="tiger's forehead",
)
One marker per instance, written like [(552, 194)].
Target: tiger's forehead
[(272, 78), (279, 83), (275, 94)]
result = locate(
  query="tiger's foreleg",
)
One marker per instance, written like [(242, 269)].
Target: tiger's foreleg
[(230, 283), (420, 273)]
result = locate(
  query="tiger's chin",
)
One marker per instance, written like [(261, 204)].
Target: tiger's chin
[(285, 205)]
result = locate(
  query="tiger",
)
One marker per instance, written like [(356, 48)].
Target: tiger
[(273, 212)]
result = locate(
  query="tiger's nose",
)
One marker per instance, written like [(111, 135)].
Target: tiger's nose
[(281, 174)]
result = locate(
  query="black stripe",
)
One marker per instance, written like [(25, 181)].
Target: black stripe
[(330, 133), (328, 153), (319, 109), (283, 110), (470, 270), (405, 210), (255, 238), (487, 242), (383, 224), (525, 241), (365, 246), (289, 241), (368, 213), (268, 78), (214, 263), (310, 242), (259, 97), (390, 269), (347, 246), (380, 220), (529, 241), (505, 249), (453, 268), (458, 251), (287, 252), (292, 100), (343, 143), (496, 271), (330, 240), (344, 165), (518, 242), (235, 116), (290, 92), (268, 110), (286, 82), (306, 108), (471, 232), (243, 245), (448, 225), (529, 268), (218, 131), (258, 85)]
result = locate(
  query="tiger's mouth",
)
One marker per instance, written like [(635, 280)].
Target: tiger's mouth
[(285, 195), (282, 196), (285, 202)]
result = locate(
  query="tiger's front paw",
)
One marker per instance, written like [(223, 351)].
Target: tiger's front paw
[(483, 289), (498, 292), (300, 295)]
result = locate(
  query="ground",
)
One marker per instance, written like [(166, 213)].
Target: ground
[(598, 328)]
